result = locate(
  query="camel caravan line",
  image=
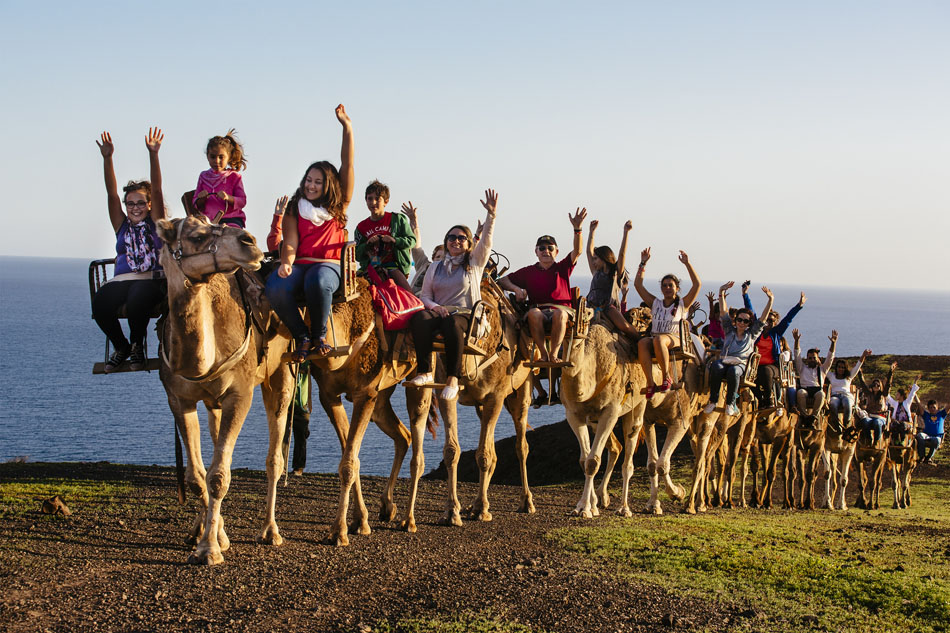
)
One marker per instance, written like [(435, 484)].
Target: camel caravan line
[(222, 331)]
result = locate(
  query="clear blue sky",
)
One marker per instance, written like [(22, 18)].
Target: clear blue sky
[(804, 142)]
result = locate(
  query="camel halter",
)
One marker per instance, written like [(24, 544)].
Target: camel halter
[(217, 230)]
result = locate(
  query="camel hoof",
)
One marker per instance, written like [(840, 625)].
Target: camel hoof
[(408, 525), (586, 514), (655, 509), (624, 512), (270, 536), (485, 516), (604, 501), (689, 510), (678, 493), (205, 558), (388, 514), (727, 505), (702, 507), (896, 506), (360, 527), (451, 518), (527, 506), (339, 539)]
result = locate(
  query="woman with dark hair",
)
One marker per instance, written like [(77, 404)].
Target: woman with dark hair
[(873, 415), (666, 316), (737, 346), (841, 401), (136, 281), (608, 272), (313, 240), (450, 290)]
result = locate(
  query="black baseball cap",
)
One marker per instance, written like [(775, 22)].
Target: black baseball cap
[(546, 239)]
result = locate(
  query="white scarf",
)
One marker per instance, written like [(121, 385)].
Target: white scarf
[(451, 261), (316, 215)]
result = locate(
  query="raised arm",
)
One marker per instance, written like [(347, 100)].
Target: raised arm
[(577, 221), (622, 253), (890, 378), (723, 308), (153, 141), (768, 304), (116, 215), (346, 155), (697, 285), (590, 245), (860, 363), (831, 351), (638, 278), (482, 250)]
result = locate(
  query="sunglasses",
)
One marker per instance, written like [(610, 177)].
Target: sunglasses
[(545, 247), (746, 321), (136, 205), (452, 237)]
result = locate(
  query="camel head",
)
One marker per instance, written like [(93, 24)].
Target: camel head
[(200, 249)]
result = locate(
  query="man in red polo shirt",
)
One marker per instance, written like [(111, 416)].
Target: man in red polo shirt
[(547, 287)]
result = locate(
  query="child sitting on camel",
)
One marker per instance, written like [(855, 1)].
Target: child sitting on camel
[(384, 240)]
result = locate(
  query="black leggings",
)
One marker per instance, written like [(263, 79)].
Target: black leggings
[(425, 324), (140, 296), (766, 382)]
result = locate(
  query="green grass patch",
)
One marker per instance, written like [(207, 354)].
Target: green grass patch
[(461, 623), (886, 570), (23, 495)]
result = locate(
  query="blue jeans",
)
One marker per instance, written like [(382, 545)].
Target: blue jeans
[(841, 403), (925, 442), (732, 373), (318, 282), (875, 423)]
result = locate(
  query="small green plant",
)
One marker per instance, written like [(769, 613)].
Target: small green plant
[(461, 623), (19, 496)]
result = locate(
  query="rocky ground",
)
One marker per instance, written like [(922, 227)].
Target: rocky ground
[(120, 565)]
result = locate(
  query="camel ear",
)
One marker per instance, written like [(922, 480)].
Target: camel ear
[(166, 230)]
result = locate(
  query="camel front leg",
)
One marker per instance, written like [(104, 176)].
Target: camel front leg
[(214, 540), (579, 426), (631, 425), (276, 393), (614, 448), (605, 428), (844, 464), (450, 457), (419, 413), (705, 426), (673, 437), (653, 504), (389, 423), (485, 456), (349, 471), (517, 404), (189, 426)]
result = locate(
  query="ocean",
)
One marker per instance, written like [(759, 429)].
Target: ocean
[(52, 408)]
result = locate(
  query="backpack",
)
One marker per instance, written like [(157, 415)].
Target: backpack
[(394, 304)]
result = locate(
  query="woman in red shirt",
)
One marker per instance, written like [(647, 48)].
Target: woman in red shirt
[(314, 237)]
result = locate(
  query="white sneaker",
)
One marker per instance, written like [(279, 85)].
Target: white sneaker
[(710, 408), (449, 392), (732, 410), (421, 380)]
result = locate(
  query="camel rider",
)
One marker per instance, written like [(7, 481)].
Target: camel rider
[(930, 438), (901, 407), (767, 381), (840, 401), (875, 402), (812, 373), (547, 287)]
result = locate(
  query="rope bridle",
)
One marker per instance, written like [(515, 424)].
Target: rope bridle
[(217, 230)]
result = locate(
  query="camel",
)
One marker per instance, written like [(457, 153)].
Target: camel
[(838, 451), (489, 382), (870, 457), (901, 460), (367, 371), (774, 437), (602, 383), (219, 341), (740, 440), (810, 443)]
